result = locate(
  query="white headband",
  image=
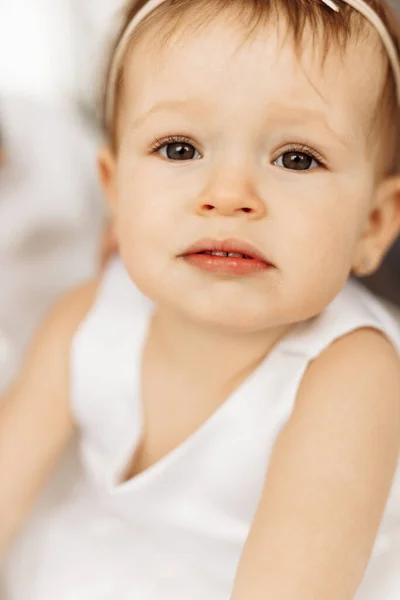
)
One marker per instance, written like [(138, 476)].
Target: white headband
[(362, 7)]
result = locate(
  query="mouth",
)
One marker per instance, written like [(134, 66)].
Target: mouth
[(230, 257)]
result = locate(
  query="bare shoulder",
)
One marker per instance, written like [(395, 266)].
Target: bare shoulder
[(363, 364), (55, 334), (349, 401), (48, 355), (71, 308)]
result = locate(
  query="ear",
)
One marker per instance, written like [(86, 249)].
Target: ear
[(381, 229), (106, 164)]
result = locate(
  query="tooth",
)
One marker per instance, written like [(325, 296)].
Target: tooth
[(235, 255), (219, 253)]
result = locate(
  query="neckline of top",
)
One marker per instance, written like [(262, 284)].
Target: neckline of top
[(127, 452)]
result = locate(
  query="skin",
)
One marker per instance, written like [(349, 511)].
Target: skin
[(315, 227)]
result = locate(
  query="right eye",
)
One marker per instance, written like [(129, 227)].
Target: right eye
[(176, 149)]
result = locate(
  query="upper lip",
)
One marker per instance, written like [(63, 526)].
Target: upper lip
[(228, 245)]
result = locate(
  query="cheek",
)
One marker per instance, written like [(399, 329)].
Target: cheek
[(147, 223), (143, 233), (319, 244), (146, 211), (326, 222), (325, 240), (155, 205)]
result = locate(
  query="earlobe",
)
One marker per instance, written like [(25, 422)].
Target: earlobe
[(388, 209), (366, 265), (106, 170), (382, 228)]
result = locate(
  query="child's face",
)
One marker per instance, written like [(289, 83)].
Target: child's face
[(244, 108)]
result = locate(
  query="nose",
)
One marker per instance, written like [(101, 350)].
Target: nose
[(231, 194)]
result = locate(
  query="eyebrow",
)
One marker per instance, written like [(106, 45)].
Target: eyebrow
[(294, 116), (176, 106), (285, 115)]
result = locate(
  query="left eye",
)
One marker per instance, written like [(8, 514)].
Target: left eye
[(296, 161), (179, 151)]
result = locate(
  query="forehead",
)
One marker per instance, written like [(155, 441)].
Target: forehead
[(221, 68)]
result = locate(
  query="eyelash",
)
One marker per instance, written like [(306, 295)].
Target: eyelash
[(302, 149), (182, 139), (171, 139)]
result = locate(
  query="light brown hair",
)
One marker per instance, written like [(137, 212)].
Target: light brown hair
[(330, 28)]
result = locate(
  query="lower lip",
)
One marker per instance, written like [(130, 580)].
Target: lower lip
[(227, 265)]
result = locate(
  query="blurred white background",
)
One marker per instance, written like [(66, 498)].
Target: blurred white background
[(51, 59), (51, 208), (49, 49)]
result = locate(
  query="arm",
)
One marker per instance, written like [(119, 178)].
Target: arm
[(35, 419), (329, 478)]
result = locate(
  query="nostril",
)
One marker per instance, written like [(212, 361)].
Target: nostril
[(247, 210), (208, 207)]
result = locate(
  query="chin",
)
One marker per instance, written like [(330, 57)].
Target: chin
[(229, 319)]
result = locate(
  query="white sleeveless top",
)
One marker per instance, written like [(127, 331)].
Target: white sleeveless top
[(177, 530)]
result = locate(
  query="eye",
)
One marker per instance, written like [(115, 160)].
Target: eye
[(179, 151), (175, 148), (297, 161)]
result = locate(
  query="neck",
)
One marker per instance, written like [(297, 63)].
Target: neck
[(210, 355)]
